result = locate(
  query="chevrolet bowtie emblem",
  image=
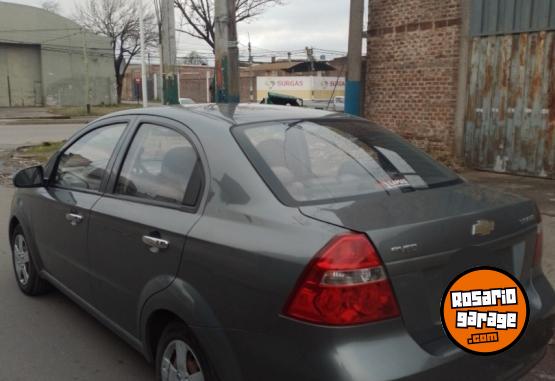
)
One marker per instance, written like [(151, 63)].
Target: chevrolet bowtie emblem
[(483, 227)]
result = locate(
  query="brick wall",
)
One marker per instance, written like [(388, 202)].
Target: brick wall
[(413, 57)]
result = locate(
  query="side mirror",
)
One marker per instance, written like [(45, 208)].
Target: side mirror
[(32, 177)]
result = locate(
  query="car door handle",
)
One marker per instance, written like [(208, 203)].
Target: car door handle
[(74, 218), (155, 244)]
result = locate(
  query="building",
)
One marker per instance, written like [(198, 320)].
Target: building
[(42, 60), (193, 81), (196, 80), (468, 80), (292, 68)]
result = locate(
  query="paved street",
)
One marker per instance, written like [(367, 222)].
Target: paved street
[(50, 338), (12, 136)]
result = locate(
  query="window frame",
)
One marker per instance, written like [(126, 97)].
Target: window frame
[(122, 155), (126, 121)]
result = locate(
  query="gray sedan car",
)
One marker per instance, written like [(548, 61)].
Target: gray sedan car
[(261, 243)]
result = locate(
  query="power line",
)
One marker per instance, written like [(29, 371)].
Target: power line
[(37, 30), (60, 37)]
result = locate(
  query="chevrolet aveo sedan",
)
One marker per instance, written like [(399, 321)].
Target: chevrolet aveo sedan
[(249, 242)]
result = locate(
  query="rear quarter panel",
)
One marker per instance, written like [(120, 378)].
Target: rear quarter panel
[(247, 251)]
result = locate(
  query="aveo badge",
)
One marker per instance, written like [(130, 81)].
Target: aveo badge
[(484, 311)]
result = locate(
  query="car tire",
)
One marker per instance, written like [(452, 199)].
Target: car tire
[(26, 274), (193, 366)]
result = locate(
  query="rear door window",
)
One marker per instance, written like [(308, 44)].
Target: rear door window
[(161, 165), (320, 161)]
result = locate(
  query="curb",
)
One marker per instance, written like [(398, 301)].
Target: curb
[(17, 122)]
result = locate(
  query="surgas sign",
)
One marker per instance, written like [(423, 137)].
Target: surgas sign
[(290, 83)]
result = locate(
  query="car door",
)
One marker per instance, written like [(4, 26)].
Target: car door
[(138, 230), (61, 210)]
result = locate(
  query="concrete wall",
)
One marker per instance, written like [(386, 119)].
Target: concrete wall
[(64, 79), (412, 70), (61, 55)]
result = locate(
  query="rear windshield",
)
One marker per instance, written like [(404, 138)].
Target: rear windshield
[(324, 161)]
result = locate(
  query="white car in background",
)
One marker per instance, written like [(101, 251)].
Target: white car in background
[(186, 101)]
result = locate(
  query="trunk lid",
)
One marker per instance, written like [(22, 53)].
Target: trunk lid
[(425, 239)]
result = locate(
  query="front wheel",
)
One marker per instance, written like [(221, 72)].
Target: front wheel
[(26, 274), (179, 357)]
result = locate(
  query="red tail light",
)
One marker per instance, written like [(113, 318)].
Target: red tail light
[(539, 247), (344, 284)]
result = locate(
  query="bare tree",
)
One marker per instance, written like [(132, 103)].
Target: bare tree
[(51, 6), (199, 15), (119, 21), (194, 58)]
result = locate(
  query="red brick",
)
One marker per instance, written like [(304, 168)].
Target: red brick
[(412, 73)]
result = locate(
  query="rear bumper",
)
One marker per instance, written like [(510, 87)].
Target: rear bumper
[(389, 357), (381, 351)]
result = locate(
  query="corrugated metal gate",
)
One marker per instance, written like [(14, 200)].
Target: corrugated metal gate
[(510, 117), (510, 122)]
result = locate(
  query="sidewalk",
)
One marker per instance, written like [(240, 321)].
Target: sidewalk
[(28, 113)]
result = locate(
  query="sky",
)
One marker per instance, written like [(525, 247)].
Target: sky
[(322, 24)]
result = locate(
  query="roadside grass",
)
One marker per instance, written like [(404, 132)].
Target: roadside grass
[(76, 111), (40, 152)]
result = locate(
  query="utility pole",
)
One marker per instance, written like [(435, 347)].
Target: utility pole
[(161, 72), (354, 58), (208, 100), (143, 53), (310, 56), (251, 78), (227, 53), (168, 47), (87, 79)]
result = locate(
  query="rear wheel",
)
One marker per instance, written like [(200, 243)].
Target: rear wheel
[(179, 357), (26, 274)]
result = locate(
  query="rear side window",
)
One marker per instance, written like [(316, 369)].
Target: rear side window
[(319, 161), (83, 164), (161, 165)]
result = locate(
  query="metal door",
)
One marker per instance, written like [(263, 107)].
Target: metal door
[(20, 73), (510, 118)]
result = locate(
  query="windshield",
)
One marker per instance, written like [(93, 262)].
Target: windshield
[(309, 161)]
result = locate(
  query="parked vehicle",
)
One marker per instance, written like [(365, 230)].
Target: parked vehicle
[(282, 99), (186, 101), (335, 104), (261, 243)]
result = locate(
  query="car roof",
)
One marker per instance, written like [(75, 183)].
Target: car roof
[(232, 114)]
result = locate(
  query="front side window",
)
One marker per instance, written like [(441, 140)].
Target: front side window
[(83, 165), (159, 167), (311, 161)]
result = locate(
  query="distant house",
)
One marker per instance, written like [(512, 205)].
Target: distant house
[(196, 81), (192, 78), (292, 68), (42, 60)]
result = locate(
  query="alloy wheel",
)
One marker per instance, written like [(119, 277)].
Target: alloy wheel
[(21, 259), (180, 363)]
